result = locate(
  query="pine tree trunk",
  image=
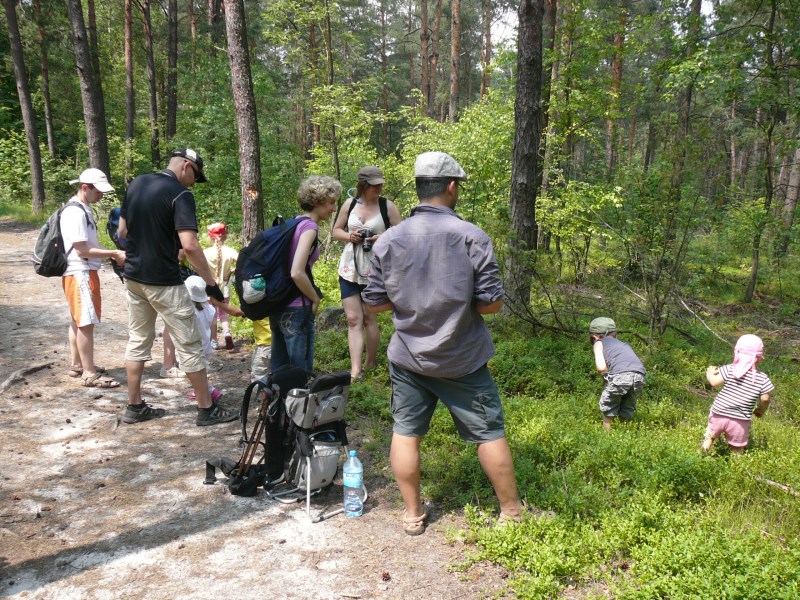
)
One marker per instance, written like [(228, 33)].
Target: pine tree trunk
[(790, 202), (26, 106), (155, 151), (455, 54), (172, 70), (91, 92), (316, 134), (525, 154), (616, 85), (48, 106), (130, 93), (412, 75), (434, 58), (486, 53), (246, 120), (385, 84), (193, 30), (329, 71), (425, 59), (769, 189)]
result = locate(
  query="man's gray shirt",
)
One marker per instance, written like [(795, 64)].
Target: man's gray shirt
[(435, 268)]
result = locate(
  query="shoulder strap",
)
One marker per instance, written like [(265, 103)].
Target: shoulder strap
[(349, 210), (383, 204), (58, 223)]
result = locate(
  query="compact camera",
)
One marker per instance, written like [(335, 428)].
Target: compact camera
[(367, 244)]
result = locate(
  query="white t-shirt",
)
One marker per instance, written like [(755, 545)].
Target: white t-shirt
[(354, 263), (204, 318), (77, 227)]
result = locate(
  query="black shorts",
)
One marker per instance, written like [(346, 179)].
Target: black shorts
[(348, 288)]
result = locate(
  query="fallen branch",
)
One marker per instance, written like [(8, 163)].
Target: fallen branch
[(780, 486), (696, 316), (19, 375)]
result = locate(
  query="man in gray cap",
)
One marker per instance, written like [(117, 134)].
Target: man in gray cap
[(158, 219), (437, 274)]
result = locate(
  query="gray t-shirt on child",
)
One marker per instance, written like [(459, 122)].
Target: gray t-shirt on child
[(620, 357)]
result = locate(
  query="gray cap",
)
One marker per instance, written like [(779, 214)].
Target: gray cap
[(438, 164), (602, 325), (372, 175)]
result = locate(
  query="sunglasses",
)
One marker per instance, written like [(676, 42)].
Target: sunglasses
[(194, 169)]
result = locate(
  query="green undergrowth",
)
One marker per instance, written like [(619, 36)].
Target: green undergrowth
[(639, 512)]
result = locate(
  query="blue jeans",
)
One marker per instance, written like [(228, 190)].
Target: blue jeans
[(293, 338)]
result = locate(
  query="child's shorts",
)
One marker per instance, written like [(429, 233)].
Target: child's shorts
[(620, 394), (737, 431)]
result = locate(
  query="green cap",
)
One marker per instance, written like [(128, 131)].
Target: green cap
[(602, 325)]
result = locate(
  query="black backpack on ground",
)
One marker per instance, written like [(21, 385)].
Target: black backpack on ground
[(49, 257), (263, 277)]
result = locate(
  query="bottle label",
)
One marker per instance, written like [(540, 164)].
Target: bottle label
[(352, 480)]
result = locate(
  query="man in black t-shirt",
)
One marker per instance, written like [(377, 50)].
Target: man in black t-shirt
[(158, 219)]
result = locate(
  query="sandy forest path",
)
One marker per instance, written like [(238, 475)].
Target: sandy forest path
[(92, 508)]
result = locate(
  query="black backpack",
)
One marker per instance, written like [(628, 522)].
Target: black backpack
[(49, 257), (263, 277)]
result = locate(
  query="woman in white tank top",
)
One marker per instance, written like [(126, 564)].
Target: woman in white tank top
[(358, 215)]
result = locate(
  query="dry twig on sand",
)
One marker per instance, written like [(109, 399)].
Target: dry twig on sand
[(19, 375)]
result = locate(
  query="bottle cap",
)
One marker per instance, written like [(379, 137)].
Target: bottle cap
[(352, 452)]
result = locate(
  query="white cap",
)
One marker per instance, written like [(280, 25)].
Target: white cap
[(197, 288), (96, 178), (438, 164)]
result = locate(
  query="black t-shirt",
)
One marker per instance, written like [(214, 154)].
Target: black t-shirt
[(155, 208)]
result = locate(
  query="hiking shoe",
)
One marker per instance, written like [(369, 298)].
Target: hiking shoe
[(172, 373), (146, 413), (273, 480), (215, 414), (229, 342)]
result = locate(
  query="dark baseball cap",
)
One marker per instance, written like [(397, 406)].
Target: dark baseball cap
[(195, 159), (372, 175)]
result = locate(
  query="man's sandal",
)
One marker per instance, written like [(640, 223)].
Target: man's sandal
[(78, 371), (98, 381), (414, 525)]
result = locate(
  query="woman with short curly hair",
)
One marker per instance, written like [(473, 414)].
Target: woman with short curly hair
[(293, 328)]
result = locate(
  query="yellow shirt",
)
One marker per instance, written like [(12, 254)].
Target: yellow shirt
[(222, 275)]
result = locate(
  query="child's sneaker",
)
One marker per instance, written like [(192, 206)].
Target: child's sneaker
[(215, 344), (214, 415), (145, 413), (172, 373)]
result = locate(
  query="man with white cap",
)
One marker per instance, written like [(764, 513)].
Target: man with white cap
[(80, 281), (158, 219), (437, 274)]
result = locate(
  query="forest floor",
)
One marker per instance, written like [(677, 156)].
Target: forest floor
[(93, 508)]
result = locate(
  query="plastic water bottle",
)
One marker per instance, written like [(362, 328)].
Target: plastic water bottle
[(353, 476)]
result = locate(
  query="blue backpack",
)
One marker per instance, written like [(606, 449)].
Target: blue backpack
[(263, 278)]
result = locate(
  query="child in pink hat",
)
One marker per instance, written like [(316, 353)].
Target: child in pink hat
[(745, 392)]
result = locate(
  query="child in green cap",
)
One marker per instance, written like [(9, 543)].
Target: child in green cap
[(622, 370)]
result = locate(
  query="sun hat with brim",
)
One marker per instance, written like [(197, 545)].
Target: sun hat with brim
[(197, 288), (96, 178), (195, 159), (438, 165), (372, 175), (602, 325)]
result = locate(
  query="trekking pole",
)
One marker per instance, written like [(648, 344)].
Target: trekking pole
[(260, 425)]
